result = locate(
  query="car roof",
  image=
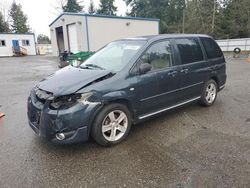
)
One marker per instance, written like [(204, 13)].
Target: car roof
[(165, 36)]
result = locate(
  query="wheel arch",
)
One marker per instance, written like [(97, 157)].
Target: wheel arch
[(215, 78), (124, 102)]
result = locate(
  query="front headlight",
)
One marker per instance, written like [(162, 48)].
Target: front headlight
[(66, 102)]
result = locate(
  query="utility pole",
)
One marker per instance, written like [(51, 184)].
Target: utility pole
[(183, 21), (213, 20)]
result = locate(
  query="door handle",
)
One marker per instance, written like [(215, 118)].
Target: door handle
[(184, 71), (172, 73)]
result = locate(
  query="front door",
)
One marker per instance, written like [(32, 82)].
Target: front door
[(158, 87), (16, 47)]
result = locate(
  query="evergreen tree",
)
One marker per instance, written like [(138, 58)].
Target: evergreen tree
[(4, 26), (170, 12), (18, 19), (107, 7), (235, 22), (72, 6), (43, 39), (91, 8)]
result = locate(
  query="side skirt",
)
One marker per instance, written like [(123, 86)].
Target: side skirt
[(169, 108)]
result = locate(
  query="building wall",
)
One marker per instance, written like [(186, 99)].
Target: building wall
[(64, 21), (102, 30), (95, 31), (7, 50)]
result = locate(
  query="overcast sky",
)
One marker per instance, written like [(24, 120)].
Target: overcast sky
[(42, 12)]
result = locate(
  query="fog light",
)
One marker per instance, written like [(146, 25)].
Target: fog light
[(60, 136)]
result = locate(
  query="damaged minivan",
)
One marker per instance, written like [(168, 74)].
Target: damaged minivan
[(124, 83)]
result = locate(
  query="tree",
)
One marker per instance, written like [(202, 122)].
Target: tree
[(170, 12), (4, 26), (107, 7), (235, 22), (43, 39), (18, 19), (72, 6), (91, 7)]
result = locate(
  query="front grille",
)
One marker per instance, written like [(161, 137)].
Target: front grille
[(42, 95)]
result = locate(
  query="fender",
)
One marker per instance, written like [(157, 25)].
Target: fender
[(121, 97)]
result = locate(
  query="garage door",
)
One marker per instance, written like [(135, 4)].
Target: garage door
[(73, 44)]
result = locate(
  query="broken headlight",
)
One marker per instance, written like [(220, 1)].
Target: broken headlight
[(66, 102)]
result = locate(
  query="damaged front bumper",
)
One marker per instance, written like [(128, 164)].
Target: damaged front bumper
[(64, 126)]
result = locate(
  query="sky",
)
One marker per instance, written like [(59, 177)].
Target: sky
[(42, 12)]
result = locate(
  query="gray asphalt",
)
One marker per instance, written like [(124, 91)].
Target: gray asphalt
[(189, 147)]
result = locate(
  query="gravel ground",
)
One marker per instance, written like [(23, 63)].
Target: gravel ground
[(191, 147)]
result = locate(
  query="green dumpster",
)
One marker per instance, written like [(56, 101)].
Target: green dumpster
[(78, 58)]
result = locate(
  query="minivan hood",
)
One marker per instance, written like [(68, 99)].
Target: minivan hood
[(70, 79)]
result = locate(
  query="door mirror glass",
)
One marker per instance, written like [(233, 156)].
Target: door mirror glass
[(144, 68)]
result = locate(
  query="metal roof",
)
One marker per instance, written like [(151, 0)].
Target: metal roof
[(103, 16), (17, 33)]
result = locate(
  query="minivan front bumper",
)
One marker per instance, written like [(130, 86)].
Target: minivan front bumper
[(60, 126)]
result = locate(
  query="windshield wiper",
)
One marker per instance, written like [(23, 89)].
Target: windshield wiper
[(94, 66), (84, 67)]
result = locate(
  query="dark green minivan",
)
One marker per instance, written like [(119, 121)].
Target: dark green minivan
[(126, 82)]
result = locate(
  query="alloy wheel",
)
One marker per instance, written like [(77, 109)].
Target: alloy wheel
[(211, 92), (114, 125)]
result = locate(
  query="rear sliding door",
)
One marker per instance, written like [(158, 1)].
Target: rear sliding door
[(194, 69)]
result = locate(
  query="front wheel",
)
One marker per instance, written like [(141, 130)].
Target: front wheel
[(112, 125), (209, 93)]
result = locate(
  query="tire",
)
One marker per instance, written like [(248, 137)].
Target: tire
[(106, 128), (209, 93), (237, 50)]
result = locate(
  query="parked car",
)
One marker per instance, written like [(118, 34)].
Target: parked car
[(124, 83)]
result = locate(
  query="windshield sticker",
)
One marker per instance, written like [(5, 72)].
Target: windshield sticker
[(131, 47)]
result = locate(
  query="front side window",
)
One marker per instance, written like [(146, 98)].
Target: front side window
[(115, 56), (2, 43), (190, 50), (25, 42), (159, 55), (211, 48)]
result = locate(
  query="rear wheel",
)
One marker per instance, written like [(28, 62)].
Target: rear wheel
[(209, 93), (112, 125)]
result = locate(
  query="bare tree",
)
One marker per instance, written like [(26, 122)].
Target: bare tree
[(4, 9), (59, 5)]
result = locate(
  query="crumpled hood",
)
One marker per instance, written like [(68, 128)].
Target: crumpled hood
[(69, 80)]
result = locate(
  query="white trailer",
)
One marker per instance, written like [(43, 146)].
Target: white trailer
[(11, 43), (77, 32)]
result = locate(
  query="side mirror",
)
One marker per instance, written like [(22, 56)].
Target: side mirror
[(144, 68)]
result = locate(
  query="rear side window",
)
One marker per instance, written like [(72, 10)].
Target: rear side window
[(212, 48), (190, 50)]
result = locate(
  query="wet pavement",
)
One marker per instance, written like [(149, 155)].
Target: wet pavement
[(189, 147)]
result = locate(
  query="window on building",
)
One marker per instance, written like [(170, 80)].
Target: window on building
[(25, 43), (2, 43), (212, 49), (190, 50), (159, 55)]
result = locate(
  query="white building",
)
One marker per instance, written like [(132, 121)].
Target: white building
[(17, 44), (86, 32)]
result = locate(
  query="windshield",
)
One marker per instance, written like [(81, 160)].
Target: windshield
[(115, 56)]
